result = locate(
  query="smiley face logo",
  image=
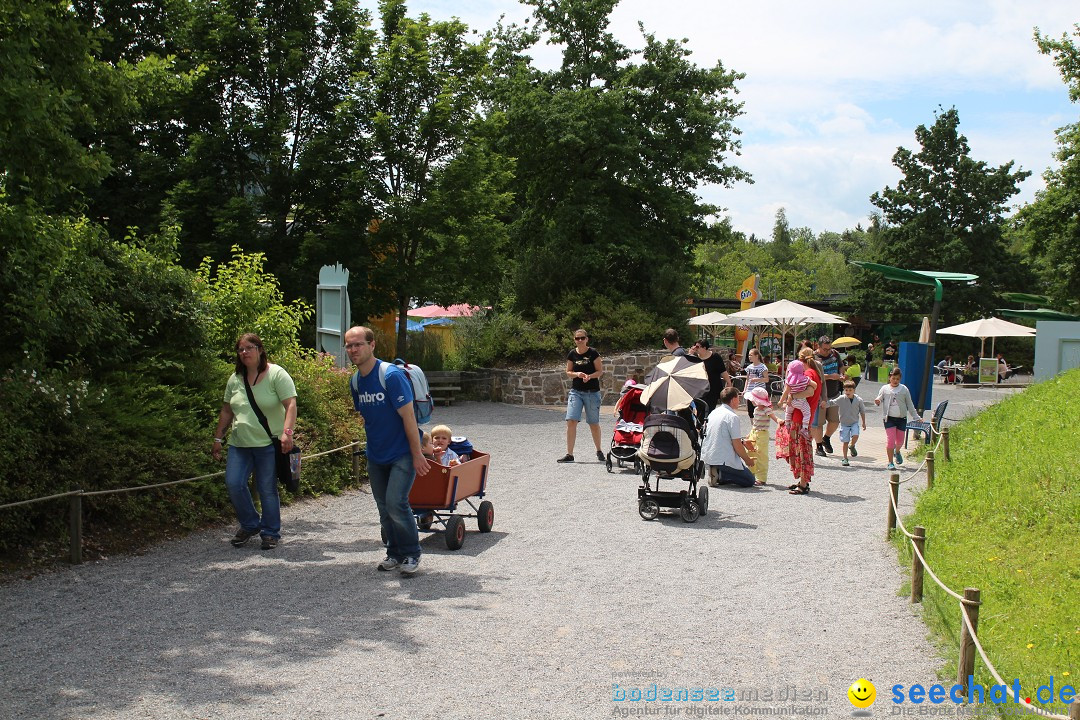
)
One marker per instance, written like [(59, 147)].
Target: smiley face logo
[(862, 693)]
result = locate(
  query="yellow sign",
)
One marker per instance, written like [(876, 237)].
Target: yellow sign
[(747, 295)]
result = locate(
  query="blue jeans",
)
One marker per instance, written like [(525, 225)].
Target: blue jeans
[(742, 477), (390, 486), (238, 468)]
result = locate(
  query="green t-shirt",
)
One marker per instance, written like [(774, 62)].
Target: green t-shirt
[(269, 392), (854, 370)]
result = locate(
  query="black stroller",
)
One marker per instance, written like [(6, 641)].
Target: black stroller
[(670, 448)]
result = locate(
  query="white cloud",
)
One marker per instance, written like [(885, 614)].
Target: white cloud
[(833, 88)]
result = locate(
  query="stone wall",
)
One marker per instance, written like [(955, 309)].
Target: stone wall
[(549, 385)]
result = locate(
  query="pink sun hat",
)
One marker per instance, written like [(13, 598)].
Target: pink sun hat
[(759, 396)]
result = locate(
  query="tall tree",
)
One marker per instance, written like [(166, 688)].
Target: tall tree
[(946, 213), (611, 149), (435, 192), (1050, 226), (56, 96), (272, 78)]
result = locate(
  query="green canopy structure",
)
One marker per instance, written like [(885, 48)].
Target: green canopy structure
[(1040, 314), (933, 278)]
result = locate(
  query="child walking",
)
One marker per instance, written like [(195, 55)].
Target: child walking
[(796, 381), (759, 433), (851, 412), (895, 400), (757, 375)]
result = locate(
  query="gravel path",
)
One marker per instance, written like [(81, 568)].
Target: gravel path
[(569, 600)]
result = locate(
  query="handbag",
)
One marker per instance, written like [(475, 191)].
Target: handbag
[(286, 467)]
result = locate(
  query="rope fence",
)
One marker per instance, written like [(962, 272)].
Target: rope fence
[(969, 602), (75, 496)]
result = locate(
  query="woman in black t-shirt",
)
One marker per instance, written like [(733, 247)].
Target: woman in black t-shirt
[(583, 364)]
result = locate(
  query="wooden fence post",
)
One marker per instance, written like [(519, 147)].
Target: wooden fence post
[(966, 666), (894, 491), (75, 527), (929, 469), (945, 442), (919, 541), (356, 461)]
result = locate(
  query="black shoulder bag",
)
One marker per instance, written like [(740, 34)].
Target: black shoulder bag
[(282, 460)]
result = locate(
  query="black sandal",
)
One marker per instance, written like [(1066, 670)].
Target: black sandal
[(800, 490), (792, 487)]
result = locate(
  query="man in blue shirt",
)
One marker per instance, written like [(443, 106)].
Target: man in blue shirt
[(384, 397)]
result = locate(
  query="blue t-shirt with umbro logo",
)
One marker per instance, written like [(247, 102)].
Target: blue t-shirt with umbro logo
[(379, 406)]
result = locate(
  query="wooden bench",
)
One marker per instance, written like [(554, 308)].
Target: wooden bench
[(443, 385)]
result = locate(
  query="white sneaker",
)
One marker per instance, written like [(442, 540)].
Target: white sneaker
[(389, 563), (410, 565)]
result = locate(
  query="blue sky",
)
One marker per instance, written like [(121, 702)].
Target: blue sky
[(834, 87)]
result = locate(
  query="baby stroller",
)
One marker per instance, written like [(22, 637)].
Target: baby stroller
[(670, 449), (628, 429)]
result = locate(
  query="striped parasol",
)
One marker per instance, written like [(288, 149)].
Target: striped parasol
[(674, 383)]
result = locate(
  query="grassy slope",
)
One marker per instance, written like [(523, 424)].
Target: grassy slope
[(1004, 516)]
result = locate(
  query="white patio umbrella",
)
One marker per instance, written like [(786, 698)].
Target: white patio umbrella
[(709, 319), (784, 315), (988, 328)]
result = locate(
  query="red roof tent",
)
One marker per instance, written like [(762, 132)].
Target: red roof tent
[(437, 311)]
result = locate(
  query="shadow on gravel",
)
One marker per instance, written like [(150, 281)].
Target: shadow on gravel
[(475, 542), (215, 626)]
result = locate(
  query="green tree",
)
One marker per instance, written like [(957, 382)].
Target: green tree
[(268, 81), (611, 148), (946, 213), (56, 97), (435, 192), (780, 247), (1049, 227)]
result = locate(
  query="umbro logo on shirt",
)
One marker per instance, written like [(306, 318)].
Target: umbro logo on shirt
[(366, 397)]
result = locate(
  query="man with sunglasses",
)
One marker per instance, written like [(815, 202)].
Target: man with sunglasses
[(583, 364)]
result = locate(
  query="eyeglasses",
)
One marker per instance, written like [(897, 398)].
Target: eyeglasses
[(355, 345), (581, 337), (248, 348)]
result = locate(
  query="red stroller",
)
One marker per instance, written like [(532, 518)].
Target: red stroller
[(629, 428)]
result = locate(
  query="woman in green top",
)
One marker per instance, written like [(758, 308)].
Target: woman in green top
[(250, 447)]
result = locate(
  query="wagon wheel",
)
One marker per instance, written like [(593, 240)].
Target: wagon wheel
[(424, 521), (648, 509), (608, 463), (703, 500), (689, 511), (485, 516), (455, 532)]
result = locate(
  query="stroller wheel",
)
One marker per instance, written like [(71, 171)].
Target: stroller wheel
[(689, 511), (703, 500), (648, 509), (608, 463)]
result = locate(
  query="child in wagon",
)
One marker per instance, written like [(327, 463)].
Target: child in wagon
[(440, 443)]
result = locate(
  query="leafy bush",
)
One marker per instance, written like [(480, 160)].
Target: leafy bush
[(495, 338), (112, 382), (325, 420), (242, 298)]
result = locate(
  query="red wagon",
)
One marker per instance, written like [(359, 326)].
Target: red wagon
[(435, 496)]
